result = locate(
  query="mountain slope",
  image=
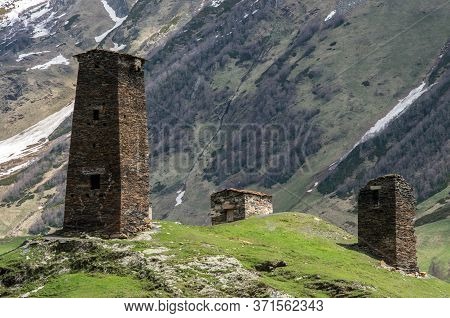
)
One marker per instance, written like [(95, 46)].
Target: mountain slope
[(269, 100), (416, 144), (219, 261), (40, 38), (37, 85), (433, 233), (257, 94), (433, 242)]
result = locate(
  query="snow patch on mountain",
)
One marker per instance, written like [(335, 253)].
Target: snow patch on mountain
[(35, 14), (179, 198), (40, 11), (59, 60), (117, 47), (314, 186), (23, 56), (41, 28), (402, 105), (7, 172), (216, 3), (330, 15), (380, 125), (112, 14), (34, 138), (15, 10)]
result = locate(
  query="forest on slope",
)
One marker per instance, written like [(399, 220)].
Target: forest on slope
[(258, 94)]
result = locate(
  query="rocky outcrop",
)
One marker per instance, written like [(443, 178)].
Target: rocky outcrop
[(269, 266), (207, 276)]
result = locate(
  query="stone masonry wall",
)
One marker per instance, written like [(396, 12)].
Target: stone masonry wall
[(405, 237), (134, 147), (385, 221), (241, 203), (258, 205), (227, 200), (109, 140), (94, 149)]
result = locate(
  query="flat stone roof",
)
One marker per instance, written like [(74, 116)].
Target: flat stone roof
[(244, 191), (110, 52)]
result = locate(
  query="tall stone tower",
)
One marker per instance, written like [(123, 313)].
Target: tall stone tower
[(386, 211), (108, 175)]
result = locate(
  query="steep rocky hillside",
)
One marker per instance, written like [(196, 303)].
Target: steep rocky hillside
[(412, 139), (282, 255), (37, 87), (251, 94), (256, 93), (39, 38), (415, 144)]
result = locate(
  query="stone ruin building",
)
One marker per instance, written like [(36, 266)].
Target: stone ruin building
[(232, 205), (386, 212), (108, 184)]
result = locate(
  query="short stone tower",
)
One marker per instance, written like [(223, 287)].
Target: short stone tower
[(108, 175), (386, 211)]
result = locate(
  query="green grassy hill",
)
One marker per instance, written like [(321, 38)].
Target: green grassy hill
[(434, 251), (433, 233), (191, 261)]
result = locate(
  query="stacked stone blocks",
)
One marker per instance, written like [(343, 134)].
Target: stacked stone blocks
[(108, 174), (231, 205), (386, 212)]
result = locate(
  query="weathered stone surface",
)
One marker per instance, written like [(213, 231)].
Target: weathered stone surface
[(269, 266), (108, 173), (232, 205), (386, 211)]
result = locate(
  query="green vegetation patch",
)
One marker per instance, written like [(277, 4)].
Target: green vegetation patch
[(318, 260), (321, 258), (9, 244), (28, 196), (94, 285), (8, 180), (439, 198), (166, 28), (433, 248), (3, 11)]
